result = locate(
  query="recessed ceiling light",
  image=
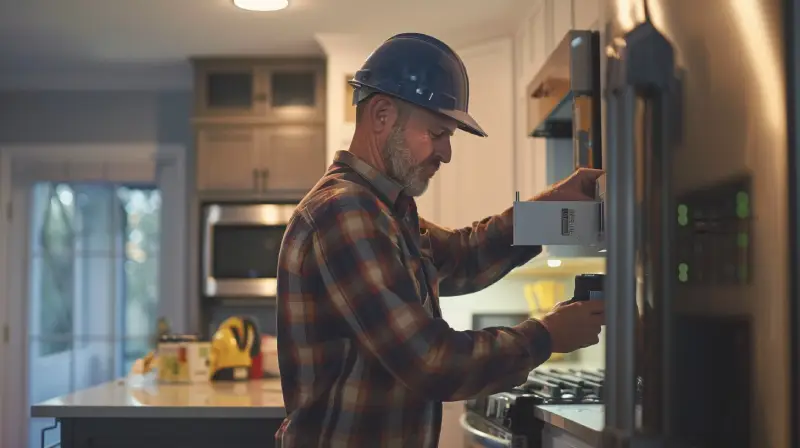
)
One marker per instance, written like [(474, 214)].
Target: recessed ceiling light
[(261, 5)]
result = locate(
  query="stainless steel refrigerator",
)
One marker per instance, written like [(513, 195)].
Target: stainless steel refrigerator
[(702, 229)]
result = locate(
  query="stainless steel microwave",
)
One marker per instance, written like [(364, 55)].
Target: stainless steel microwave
[(241, 243)]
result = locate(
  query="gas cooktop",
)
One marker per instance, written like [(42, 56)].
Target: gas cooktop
[(510, 415), (564, 386)]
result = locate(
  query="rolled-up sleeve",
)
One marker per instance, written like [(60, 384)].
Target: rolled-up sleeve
[(356, 244)]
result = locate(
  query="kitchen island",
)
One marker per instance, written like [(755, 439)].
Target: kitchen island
[(138, 412)]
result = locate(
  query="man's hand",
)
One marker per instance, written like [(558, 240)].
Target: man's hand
[(580, 186), (575, 325)]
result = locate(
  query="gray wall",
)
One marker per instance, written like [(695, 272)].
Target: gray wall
[(95, 116)]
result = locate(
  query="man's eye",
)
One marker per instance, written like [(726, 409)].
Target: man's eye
[(436, 136)]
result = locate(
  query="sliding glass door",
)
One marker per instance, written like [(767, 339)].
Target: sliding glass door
[(93, 276)]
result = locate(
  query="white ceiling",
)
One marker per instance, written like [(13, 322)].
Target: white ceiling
[(49, 34)]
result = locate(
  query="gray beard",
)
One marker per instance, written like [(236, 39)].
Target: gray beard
[(400, 165)]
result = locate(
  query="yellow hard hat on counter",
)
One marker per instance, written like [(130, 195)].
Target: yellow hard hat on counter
[(233, 347)]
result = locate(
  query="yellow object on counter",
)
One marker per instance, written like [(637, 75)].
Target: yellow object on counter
[(233, 347)]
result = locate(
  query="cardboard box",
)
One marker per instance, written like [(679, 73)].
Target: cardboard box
[(184, 362)]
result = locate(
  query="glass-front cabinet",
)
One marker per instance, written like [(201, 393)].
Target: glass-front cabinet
[(267, 91)]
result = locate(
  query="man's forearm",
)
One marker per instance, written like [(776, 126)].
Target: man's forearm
[(472, 258)]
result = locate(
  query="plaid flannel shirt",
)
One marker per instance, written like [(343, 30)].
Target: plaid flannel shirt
[(365, 356)]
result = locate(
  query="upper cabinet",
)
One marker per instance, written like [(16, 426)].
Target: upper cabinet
[(259, 90), (259, 159), (259, 126)]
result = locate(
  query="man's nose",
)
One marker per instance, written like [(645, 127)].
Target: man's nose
[(444, 150)]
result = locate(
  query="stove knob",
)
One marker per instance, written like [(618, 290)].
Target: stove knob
[(491, 405), (501, 406)]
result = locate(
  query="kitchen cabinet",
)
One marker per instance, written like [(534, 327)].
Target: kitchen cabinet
[(259, 158), (228, 158), (294, 157), (259, 90)]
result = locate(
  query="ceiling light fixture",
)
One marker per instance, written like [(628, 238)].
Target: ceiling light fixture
[(261, 5)]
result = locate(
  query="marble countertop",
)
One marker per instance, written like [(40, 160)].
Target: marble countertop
[(142, 397)]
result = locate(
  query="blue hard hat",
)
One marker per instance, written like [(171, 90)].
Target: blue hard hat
[(422, 70)]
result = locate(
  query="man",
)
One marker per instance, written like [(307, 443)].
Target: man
[(365, 356)]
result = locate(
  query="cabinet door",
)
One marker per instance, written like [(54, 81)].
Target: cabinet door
[(587, 14), (293, 157), (295, 92), (561, 20), (227, 89), (227, 158)]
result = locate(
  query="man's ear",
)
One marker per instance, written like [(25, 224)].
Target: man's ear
[(382, 113)]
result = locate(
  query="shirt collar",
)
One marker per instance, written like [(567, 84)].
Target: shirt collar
[(386, 187)]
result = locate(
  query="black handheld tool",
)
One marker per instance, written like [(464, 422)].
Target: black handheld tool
[(588, 287)]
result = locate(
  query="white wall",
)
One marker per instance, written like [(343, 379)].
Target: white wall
[(345, 53)]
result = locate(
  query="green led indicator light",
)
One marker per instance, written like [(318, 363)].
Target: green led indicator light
[(742, 211), (683, 272), (742, 197), (742, 205), (683, 214), (742, 239)]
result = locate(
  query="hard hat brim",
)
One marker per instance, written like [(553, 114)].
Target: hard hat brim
[(465, 122)]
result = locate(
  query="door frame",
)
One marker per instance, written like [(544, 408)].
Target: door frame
[(171, 174)]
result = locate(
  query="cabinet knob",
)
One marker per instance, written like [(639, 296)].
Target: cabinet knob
[(260, 97)]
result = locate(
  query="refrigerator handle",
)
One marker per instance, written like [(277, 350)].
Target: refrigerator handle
[(621, 222), (640, 73)]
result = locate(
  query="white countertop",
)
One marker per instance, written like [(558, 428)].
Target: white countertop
[(585, 421), (143, 397)]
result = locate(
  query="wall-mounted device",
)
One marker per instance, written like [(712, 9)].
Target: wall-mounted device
[(562, 223)]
